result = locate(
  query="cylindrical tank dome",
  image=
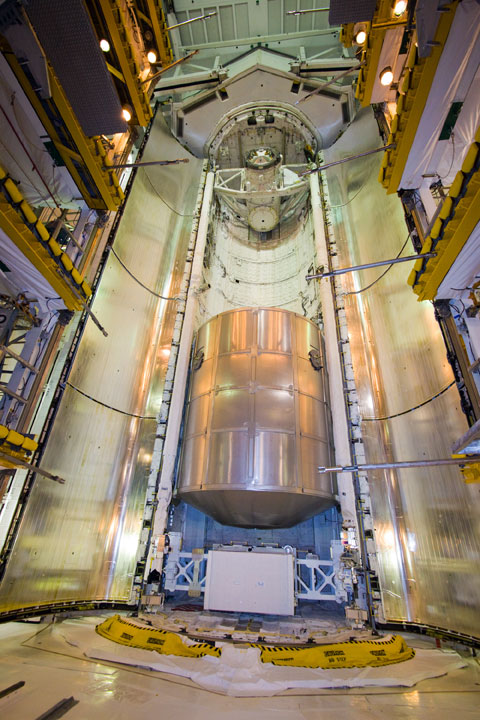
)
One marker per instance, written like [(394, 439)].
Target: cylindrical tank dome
[(257, 425)]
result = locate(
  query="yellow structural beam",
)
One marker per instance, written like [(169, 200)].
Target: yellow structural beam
[(371, 52), (159, 27), (415, 88), (24, 239), (115, 72), (15, 446), (76, 159), (19, 222), (458, 217), (86, 147), (123, 44)]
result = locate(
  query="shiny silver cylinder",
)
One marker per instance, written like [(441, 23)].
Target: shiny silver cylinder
[(257, 424)]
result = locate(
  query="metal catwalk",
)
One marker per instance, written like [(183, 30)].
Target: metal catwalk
[(78, 541), (426, 520)]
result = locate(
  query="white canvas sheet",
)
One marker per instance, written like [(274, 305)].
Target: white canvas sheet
[(239, 672), (454, 81)]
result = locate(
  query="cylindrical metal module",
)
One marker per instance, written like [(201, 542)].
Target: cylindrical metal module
[(258, 421)]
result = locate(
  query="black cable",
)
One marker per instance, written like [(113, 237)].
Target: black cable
[(356, 292), (442, 177), (334, 207), (163, 199), (109, 407), (460, 312), (404, 412), (162, 297)]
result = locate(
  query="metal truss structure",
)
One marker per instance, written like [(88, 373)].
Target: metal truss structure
[(315, 579)]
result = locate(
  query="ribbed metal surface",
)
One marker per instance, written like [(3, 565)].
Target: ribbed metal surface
[(63, 27), (257, 425), (350, 11), (426, 521), (79, 541)]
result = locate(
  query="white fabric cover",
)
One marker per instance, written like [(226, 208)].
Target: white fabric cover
[(239, 672), (464, 270), (456, 79)]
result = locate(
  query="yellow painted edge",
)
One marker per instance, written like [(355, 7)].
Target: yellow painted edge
[(443, 263), (376, 38), (26, 241), (83, 144), (65, 153), (162, 38), (372, 54), (400, 154), (135, 91)]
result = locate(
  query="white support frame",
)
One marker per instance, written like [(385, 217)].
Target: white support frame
[(321, 577)]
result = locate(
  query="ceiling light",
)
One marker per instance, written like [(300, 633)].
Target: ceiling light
[(386, 76), (152, 56), (359, 33), (399, 7), (360, 37), (104, 45), (126, 114)]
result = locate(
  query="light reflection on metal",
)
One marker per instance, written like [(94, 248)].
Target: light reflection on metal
[(399, 355), (207, 16), (257, 421), (83, 532), (366, 266)]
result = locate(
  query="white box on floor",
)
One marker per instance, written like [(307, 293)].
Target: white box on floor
[(257, 582)]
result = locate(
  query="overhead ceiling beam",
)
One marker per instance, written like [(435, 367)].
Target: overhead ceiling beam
[(259, 39)]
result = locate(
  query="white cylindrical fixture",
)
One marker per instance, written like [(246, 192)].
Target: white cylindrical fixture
[(335, 377)]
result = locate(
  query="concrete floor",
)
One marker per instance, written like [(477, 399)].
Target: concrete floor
[(106, 690)]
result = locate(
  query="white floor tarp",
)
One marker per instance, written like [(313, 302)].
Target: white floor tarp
[(239, 672)]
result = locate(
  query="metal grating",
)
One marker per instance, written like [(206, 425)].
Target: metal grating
[(348, 11), (67, 36)]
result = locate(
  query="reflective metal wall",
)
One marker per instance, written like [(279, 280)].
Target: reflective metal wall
[(258, 421), (427, 525), (78, 541)]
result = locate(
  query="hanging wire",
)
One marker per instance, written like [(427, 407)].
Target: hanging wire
[(109, 407), (335, 207), (162, 297), (442, 177), (405, 412), (357, 292), (163, 199)]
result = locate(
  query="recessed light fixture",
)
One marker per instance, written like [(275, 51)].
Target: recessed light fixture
[(104, 45), (386, 76), (360, 37), (126, 114), (152, 56), (399, 7), (359, 33)]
